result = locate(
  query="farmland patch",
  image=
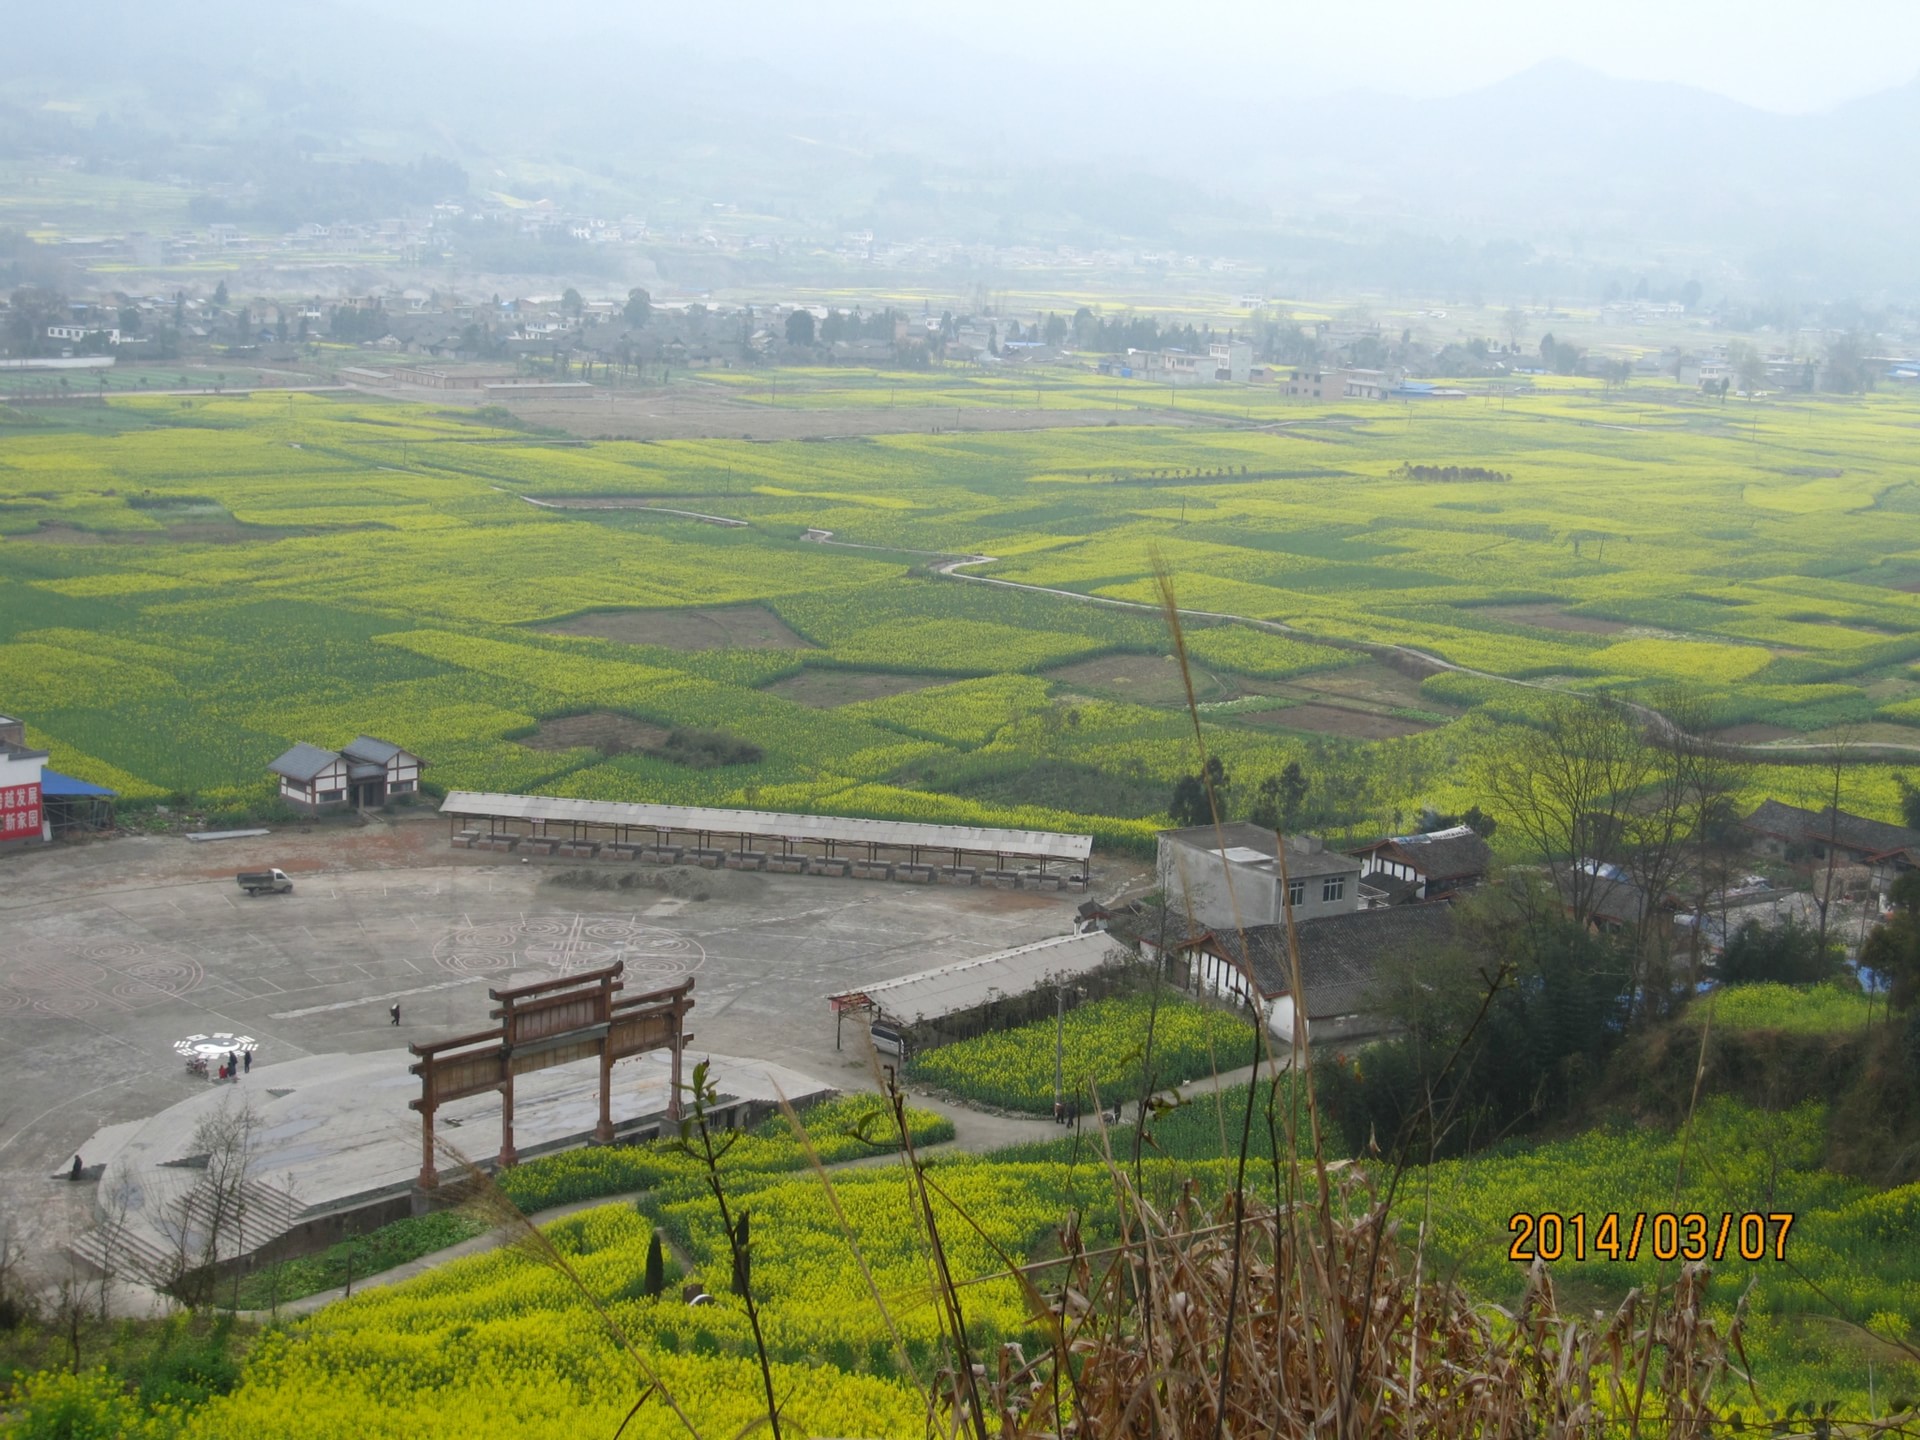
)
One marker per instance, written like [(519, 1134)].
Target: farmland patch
[(723, 627), (1064, 785), (1334, 720), (602, 730), (209, 531), (1756, 733), (829, 689), (1143, 679), (1551, 617), (612, 733), (1373, 682)]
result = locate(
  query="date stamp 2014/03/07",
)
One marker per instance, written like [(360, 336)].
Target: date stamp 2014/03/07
[(1664, 1235)]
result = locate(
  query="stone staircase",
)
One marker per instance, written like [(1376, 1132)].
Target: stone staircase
[(142, 1248)]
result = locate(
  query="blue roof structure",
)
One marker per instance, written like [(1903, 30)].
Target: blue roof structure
[(54, 785)]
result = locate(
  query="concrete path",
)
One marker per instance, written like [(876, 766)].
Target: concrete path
[(976, 1131)]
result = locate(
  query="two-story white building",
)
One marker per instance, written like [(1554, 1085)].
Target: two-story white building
[(1230, 877)]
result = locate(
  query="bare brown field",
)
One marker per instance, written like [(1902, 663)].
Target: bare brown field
[(1332, 720), (828, 689), (1754, 733), (1143, 679), (726, 627), (600, 730), (1551, 617), (1372, 682)]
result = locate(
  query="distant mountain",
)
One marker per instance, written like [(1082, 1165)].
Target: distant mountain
[(1549, 177)]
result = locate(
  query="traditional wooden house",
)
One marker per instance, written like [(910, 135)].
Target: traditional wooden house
[(1815, 838), (1340, 960), (1426, 866), (365, 773)]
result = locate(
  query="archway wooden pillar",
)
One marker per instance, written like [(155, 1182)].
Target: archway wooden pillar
[(548, 1023)]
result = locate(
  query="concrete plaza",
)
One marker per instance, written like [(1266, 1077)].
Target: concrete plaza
[(112, 952)]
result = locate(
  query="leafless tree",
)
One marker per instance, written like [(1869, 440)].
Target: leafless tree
[(16, 1299), (1569, 784), (1840, 755), (72, 1310), (110, 1233), (203, 1221), (1514, 326), (1669, 829), (1712, 779)]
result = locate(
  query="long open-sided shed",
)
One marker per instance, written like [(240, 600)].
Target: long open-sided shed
[(762, 834), (990, 991)]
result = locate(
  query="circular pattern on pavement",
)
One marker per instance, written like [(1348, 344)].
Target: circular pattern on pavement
[(562, 946)]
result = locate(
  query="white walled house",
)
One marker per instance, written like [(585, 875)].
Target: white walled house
[(1340, 960), (365, 773), (1428, 865)]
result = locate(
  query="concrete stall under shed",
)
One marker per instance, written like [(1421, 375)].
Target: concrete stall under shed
[(764, 839), (991, 992)]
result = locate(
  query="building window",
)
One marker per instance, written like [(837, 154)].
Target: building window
[(333, 794), (399, 787), (1296, 892), (1334, 887)]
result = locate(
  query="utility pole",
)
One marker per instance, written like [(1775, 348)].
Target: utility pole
[(1059, 1049)]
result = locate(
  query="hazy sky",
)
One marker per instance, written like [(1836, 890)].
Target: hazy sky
[(1787, 55)]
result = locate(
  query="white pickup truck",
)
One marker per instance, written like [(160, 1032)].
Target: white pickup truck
[(273, 882)]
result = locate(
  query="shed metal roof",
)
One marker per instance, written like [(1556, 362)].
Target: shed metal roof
[(56, 786), (969, 984), (893, 834)]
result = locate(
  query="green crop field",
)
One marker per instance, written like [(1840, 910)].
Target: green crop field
[(186, 591), (505, 1344)]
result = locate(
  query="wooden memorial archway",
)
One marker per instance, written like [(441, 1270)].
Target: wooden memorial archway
[(547, 1023)]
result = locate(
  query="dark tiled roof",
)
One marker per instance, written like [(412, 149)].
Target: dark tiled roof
[(1339, 954), (1855, 832), (1442, 856), (303, 762), (1620, 901), (1394, 892), (370, 751)]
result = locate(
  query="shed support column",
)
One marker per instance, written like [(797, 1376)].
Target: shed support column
[(673, 1093), (603, 1132), (429, 1177), (508, 1155)]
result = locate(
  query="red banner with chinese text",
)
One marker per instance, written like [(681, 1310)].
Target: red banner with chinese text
[(20, 812)]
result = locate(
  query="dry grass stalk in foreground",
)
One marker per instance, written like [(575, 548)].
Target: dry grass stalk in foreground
[(1339, 1333)]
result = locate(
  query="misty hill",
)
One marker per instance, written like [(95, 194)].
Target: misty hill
[(1543, 180)]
